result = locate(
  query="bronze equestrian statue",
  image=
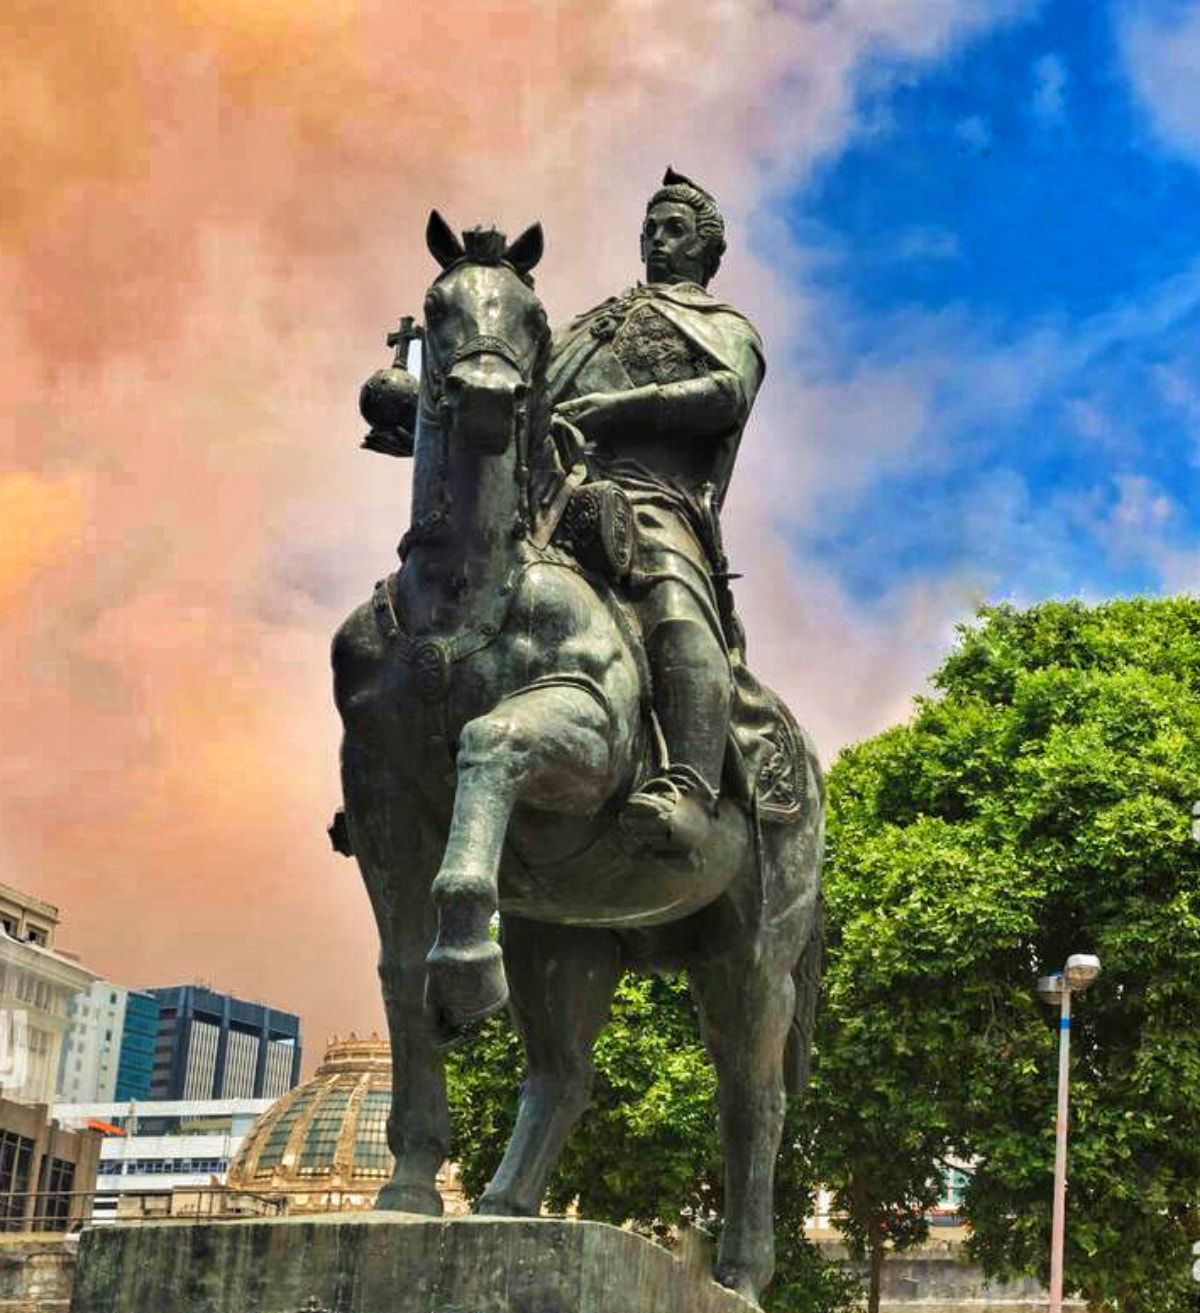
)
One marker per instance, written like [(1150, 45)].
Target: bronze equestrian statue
[(548, 713)]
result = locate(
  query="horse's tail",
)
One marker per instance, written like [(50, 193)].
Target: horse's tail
[(806, 975)]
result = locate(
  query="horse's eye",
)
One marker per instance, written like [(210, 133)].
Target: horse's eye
[(435, 306)]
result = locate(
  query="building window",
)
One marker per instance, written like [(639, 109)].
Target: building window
[(324, 1131), (54, 1203), (15, 1154)]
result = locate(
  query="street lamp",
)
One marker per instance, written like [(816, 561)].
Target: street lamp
[(1057, 988)]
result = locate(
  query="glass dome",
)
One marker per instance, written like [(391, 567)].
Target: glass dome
[(324, 1144)]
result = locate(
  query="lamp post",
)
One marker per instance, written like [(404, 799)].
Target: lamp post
[(1057, 988)]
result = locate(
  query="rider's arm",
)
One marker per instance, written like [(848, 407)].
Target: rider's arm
[(698, 408)]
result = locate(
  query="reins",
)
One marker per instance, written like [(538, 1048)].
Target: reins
[(527, 368)]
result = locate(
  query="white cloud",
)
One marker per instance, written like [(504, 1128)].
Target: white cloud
[(974, 134), (1160, 42), (1142, 509), (1048, 103), (930, 244), (1178, 389)]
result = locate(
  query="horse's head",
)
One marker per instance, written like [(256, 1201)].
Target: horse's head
[(486, 334)]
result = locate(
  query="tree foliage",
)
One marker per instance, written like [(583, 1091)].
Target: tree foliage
[(652, 1104), (1039, 805)]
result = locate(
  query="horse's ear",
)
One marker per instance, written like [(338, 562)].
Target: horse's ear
[(443, 245), (527, 250)]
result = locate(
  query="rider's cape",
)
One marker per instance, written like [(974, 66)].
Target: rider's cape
[(719, 330)]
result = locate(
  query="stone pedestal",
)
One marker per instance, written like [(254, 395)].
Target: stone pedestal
[(387, 1263)]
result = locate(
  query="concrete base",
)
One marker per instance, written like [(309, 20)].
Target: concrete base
[(386, 1263)]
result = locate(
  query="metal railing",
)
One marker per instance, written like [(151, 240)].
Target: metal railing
[(69, 1211)]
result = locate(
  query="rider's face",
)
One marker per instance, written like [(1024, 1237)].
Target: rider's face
[(672, 249)]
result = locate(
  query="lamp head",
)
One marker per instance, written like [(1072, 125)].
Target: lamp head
[(1082, 969), (1050, 989)]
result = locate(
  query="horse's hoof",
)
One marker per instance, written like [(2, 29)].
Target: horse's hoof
[(407, 1198), (495, 1207), (464, 986), (735, 1278)]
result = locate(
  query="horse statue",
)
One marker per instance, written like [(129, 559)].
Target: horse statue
[(496, 713)]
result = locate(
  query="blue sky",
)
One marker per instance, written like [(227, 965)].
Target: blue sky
[(1012, 231)]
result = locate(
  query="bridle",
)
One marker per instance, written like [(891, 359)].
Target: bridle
[(528, 366)]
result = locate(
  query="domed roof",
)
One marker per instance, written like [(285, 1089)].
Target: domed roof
[(324, 1144)]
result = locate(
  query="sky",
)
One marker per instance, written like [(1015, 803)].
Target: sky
[(965, 229)]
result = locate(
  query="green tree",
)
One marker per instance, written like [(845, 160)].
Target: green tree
[(1040, 804)]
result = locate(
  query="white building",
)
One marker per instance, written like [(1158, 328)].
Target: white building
[(92, 1051), (37, 984), (166, 1145)]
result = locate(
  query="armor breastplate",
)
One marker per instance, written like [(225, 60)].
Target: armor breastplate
[(637, 346), (653, 350)]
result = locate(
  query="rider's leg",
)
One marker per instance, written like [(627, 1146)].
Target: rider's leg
[(672, 813)]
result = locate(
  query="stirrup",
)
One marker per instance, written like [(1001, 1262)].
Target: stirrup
[(679, 782), (671, 815)]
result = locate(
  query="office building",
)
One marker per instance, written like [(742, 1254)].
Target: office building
[(215, 1046), (152, 1149), (27, 919), (88, 1069), (37, 983), (135, 1066), (47, 1170), (109, 1050)]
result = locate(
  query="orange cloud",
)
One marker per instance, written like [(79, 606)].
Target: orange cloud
[(210, 213), (40, 522)]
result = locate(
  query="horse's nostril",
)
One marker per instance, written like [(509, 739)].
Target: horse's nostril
[(454, 384)]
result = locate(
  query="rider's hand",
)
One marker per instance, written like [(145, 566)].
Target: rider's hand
[(603, 415), (595, 413)]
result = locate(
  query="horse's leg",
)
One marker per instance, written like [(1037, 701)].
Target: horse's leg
[(548, 748), (397, 865), (562, 981), (746, 998)]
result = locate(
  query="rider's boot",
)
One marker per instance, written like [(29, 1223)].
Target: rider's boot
[(672, 814)]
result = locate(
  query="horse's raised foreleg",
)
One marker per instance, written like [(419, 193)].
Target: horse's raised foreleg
[(397, 864), (562, 981), (548, 748), (746, 1000)]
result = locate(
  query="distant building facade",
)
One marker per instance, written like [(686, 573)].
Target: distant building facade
[(323, 1146), (153, 1148), (139, 1035), (27, 919), (47, 1171), (215, 1046), (88, 1069), (109, 1050), (37, 984)]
